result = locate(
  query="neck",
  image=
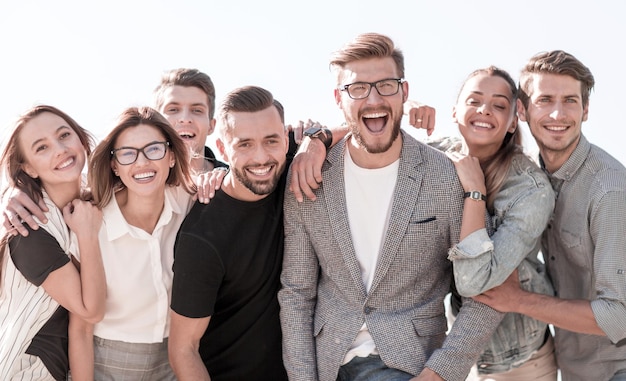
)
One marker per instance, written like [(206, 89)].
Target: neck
[(368, 160), (199, 165), (554, 159), (141, 211), (63, 194), (482, 153)]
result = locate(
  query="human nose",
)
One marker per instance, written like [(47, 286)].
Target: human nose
[(261, 154), (61, 148), (374, 96), (185, 116), (557, 112), (484, 109)]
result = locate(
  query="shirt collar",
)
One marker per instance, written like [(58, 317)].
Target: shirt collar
[(116, 226)]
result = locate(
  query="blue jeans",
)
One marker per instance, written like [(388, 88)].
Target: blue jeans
[(370, 368)]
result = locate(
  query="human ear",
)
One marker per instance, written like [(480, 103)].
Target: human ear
[(521, 111), (221, 148)]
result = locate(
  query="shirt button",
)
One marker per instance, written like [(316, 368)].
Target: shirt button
[(552, 258), (368, 310)]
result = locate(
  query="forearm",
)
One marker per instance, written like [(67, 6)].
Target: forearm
[(473, 217), (572, 315), (92, 279), (187, 364), (81, 353)]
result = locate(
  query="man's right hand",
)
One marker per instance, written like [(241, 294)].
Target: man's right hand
[(18, 208)]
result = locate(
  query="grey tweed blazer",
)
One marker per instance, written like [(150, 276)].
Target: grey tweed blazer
[(324, 302)]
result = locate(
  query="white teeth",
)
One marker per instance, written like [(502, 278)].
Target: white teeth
[(66, 163), (375, 115), (260, 171), (483, 125), (556, 128), (186, 135), (144, 175)]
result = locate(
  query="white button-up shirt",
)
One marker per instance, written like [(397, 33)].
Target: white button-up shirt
[(138, 269)]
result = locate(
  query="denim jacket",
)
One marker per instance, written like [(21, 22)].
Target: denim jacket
[(485, 258)]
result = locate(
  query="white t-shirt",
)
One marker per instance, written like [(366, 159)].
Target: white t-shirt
[(369, 194)]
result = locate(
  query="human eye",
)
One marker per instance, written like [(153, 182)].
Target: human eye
[(171, 110), (500, 106), (40, 148), (386, 85), (126, 153), (472, 102), (543, 100), (198, 110)]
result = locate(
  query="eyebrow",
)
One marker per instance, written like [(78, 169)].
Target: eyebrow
[(272, 136), (177, 103), (41, 139), (495, 95)]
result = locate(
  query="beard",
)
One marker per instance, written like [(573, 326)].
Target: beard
[(381, 146), (260, 188)]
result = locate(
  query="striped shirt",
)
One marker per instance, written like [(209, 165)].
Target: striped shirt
[(24, 305), (585, 251)]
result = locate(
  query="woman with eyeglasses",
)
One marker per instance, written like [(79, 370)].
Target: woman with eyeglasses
[(43, 156), (508, 202), (139, 175)]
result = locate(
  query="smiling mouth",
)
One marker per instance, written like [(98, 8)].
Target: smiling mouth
[(260, 171), (144, 175), (482, 125), (66, 163), (186, 135), (556, 128), (375, 122)]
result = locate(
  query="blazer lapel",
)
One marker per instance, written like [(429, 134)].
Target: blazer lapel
[(335, 197), (405, 196)]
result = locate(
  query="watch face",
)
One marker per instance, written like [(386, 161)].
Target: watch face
[(312, 131)]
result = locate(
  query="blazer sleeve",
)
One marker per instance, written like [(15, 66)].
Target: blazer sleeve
[(298, 295)]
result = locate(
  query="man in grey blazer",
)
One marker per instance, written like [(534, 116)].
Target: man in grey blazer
[(365, 270)]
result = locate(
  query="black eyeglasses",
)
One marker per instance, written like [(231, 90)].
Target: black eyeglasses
[(361, 90), (129, 155)]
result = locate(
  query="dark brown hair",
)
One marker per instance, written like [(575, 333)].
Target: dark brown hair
[(187, 78), (246, 99), (555, 62)]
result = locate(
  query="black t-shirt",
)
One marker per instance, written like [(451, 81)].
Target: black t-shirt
[(36, 256), (210, 157), (228, 259)]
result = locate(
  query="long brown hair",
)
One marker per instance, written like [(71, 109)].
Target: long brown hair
[(496, 167), (101, 179), (12, 158)]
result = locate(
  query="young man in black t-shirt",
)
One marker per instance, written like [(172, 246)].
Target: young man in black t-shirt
[(228, 255)]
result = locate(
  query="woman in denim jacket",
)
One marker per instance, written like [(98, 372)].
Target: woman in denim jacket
[(508, 204)]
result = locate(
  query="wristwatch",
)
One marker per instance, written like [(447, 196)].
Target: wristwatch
[(475, 195), (322, 134)]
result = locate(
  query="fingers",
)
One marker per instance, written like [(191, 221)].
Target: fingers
[(423, 117), (209, 182)]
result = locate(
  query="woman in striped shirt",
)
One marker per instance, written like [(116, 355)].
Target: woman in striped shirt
[(44, 157)]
